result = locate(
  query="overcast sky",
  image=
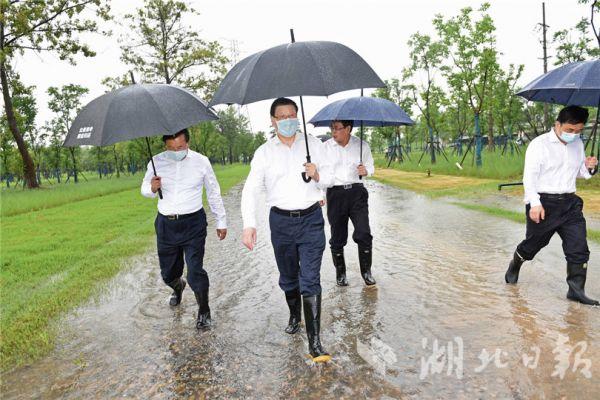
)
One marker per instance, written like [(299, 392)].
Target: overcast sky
[(378, 30)]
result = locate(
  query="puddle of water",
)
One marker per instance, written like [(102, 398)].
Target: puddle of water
[(440, 273)]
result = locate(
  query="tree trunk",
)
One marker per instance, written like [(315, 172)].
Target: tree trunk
[(490, 135), (72, 150), (28, 167), (116, 161)]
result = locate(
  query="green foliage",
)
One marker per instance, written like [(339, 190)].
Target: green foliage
[(161, 47)]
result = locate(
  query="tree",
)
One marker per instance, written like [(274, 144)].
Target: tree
[(41, 26), (65, 103), (472, 51), (25, 111), (580, 48), (426, 57), (162, 48), (231, 125), (401, 95)]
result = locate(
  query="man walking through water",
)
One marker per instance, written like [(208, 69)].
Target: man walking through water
[(552, 163), (349, 199), (181, 221), (295, 217)]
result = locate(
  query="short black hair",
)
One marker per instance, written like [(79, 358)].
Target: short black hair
[(345, 123), (573, 115), (282, 101), (173, 136)]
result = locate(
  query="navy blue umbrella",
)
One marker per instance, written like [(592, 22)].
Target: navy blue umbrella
[(366, 111), (576, 83)]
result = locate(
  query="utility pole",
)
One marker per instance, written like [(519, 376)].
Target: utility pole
[(545, 58)]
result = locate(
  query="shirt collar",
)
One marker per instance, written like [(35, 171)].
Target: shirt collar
[(299, 137), (352, 139), (552, 136)]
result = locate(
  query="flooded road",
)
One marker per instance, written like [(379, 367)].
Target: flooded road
[(441, 322)]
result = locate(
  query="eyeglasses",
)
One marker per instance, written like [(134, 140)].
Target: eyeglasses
[(282, 117), (334, 129)]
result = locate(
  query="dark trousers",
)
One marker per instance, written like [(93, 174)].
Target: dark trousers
[(344, 204), (564, 215), (298, 243), (179, 239)]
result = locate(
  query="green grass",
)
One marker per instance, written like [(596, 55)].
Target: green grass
[(55, 254), (495, 165), (503, 168), (17, 201)]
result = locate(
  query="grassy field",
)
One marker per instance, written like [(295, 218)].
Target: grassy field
[(496, 167), (59, 245)]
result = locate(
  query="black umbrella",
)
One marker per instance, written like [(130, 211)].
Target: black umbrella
[(315, 68), (134, 111)]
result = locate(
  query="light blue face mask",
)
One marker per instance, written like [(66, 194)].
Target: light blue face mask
[(568, 137), (176, 155), (288, 127)]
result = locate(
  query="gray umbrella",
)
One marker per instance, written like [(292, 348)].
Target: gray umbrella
[(296, 69), (315, 68), (134, 111)]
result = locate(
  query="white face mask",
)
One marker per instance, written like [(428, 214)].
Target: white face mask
[(568, 137), (176, 155)]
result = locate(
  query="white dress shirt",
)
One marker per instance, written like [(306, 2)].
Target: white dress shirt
[(181, 184), (345, 160), (552, 167), (276, 167)]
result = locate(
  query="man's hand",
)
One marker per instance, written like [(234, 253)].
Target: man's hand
[(591, 163), (249, 237), (311, 171), (362, 170), (155, 184), (537, 214), (221, 233)]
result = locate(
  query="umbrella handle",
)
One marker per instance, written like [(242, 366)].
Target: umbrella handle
[(160, 193), (304, 177)]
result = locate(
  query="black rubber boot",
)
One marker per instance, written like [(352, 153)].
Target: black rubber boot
[(365, 258), (294, 302), (340, 267), (177, 285), (512, 273), (576, 275), (204, 320), (312, 319)]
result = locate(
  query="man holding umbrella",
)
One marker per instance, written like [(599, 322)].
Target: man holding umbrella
[(348, 199), (295, 218), (552, 163), (181, 221)]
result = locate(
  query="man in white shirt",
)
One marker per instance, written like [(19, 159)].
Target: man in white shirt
[(181, 221), (349, 199), (295, 218), (552, 163)]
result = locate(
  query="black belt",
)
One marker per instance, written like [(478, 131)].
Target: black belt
[(347, 187), (180, 216), (296, 213), (557, 196)]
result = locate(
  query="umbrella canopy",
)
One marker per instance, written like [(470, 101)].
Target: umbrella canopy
[(134, 111), (576, 83), (370, 111), (316, 68)]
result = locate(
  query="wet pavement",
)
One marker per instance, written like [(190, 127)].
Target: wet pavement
[(441, 322)]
